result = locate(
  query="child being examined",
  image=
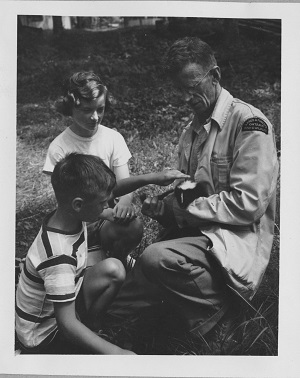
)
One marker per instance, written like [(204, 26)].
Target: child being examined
[(59, 300)]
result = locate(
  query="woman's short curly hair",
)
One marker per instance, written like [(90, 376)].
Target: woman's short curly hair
[(188, 50), (80, 85)]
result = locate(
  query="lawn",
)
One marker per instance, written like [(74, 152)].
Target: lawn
[(150, 118)]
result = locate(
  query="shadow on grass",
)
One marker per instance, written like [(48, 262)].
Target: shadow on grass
[(245, 330)]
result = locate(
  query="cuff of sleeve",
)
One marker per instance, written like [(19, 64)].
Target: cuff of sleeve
[(183, 217), (61, 298)]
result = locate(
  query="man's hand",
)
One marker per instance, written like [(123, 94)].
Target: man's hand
[(160, 210), (153, 208)]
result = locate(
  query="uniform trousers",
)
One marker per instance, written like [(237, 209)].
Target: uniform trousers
[(177, 269)]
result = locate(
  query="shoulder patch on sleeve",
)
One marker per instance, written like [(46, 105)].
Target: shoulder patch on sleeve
[(255, 124)]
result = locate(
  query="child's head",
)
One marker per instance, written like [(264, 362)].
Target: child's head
[(79, 87), (83, 184)]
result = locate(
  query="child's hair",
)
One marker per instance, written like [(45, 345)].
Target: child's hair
[(80, 85), (80, 175), (188, 50)]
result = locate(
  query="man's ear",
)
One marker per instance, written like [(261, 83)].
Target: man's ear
[(77, 204), (216, 72)]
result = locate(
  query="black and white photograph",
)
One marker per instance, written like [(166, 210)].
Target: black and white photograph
[(153, 213)]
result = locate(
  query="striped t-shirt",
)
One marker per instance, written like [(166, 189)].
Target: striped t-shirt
[(53, 272)]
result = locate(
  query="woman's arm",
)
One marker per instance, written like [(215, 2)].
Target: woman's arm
[(133, 183), (121, 173)]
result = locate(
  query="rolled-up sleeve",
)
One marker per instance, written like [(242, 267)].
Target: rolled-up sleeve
[(54, 154), (121, 153)]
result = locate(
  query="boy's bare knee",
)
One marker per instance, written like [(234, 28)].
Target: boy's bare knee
[(133, 231), (136, 229), (115, 269)]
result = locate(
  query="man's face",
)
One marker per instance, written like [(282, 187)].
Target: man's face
[(198, 87), (88, 115)]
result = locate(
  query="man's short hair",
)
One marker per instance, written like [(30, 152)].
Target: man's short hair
[(188, 50), (80, 175)]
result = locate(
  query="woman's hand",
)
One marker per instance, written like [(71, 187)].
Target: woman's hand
[(167, 176)]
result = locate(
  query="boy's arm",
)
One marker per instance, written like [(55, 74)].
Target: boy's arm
[(133, 183), (75, 331)]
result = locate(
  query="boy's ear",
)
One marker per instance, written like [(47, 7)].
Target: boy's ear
[(77, 204)]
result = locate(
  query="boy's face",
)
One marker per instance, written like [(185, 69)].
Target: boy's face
[(90, 210), (87, 116)]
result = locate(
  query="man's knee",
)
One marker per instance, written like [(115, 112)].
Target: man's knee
[(153, 259)]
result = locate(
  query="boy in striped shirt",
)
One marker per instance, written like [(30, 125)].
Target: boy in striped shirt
[(59, 299)]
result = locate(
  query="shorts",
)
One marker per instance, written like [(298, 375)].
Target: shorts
[(93, 231)]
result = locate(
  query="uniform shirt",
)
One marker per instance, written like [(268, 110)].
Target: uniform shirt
[(53, 272), (200, 135), (238, 167), (107, 143)]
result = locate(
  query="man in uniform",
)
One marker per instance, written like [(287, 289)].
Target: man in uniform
[(221, 242)]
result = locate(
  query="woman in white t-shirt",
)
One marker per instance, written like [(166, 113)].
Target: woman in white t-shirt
[(119, 231)]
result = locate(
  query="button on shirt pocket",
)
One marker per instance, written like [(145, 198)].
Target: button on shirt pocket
[(220, 167)]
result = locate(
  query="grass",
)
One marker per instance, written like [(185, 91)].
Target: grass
[(151, 120)]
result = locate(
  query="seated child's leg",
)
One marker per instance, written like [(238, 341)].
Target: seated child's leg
[(101, 284), (96, 252), (121, 239)]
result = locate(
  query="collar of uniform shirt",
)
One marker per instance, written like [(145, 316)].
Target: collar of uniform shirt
[(197, 127)]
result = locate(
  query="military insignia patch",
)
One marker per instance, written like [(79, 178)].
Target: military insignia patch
[(255, 124)]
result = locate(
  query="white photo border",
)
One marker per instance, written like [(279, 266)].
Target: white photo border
[(287, 362)]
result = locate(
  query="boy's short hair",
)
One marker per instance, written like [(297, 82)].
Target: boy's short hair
[(80, 175), (81, 85), (188, 50)]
